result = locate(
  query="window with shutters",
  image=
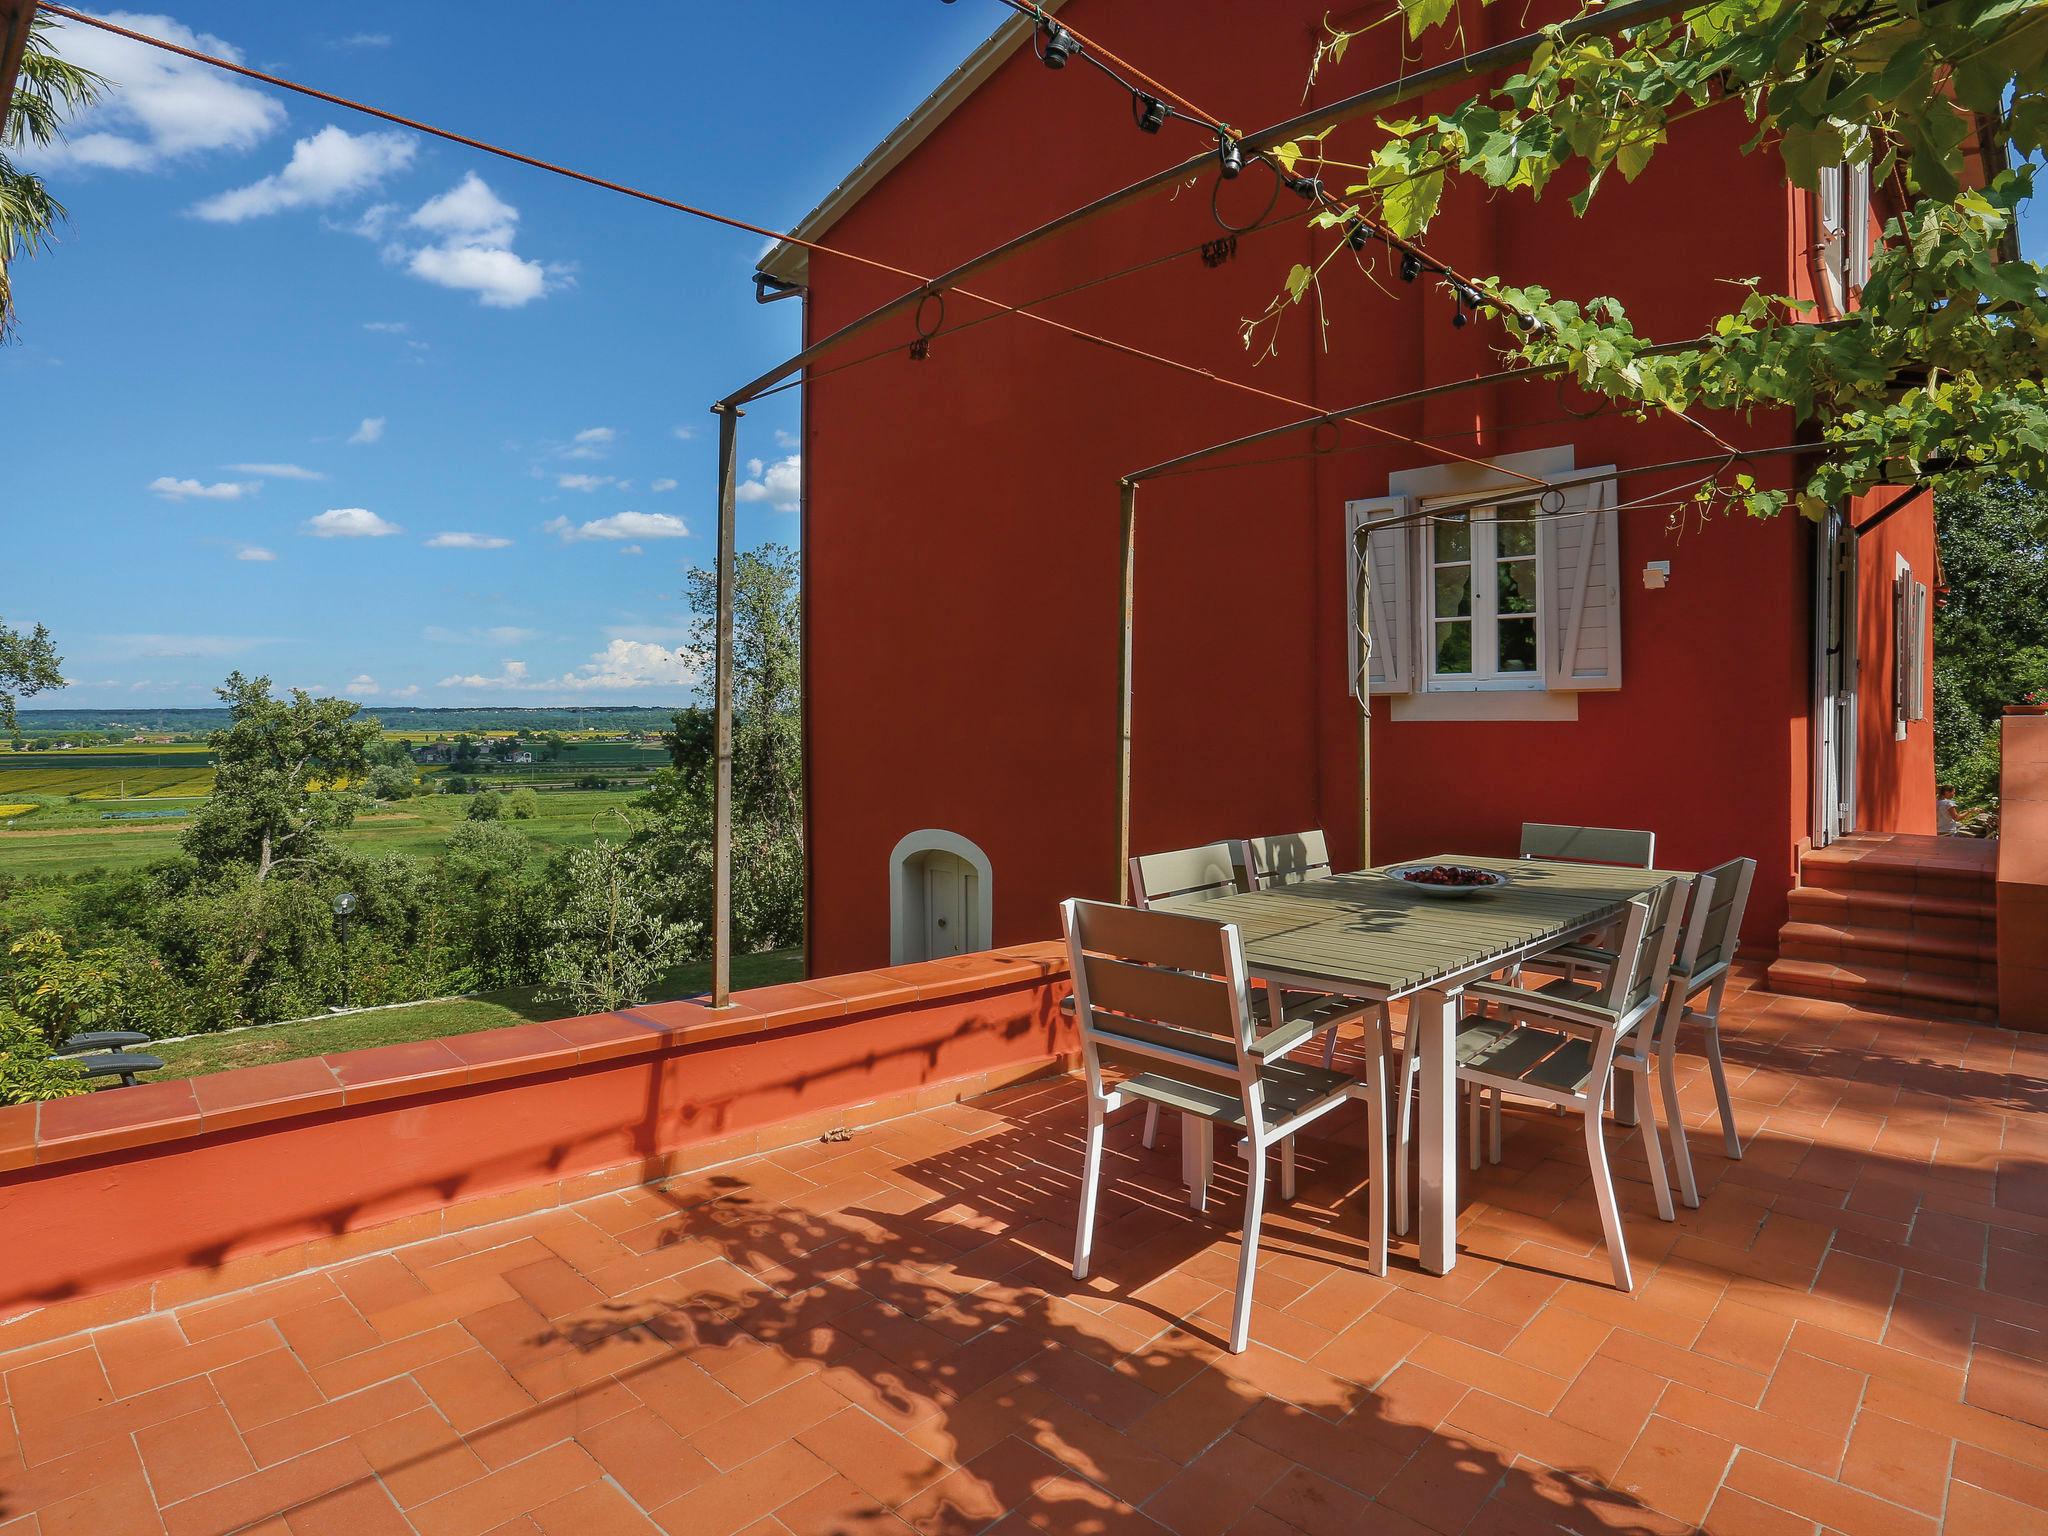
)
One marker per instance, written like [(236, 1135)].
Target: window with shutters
[(1909, 648), (1843, 209), (1468, 596)]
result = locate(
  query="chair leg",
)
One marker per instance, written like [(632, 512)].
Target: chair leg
[(1719, 1072), (1475, 1114), (1248, 1258), (1330, 1049), (1603, 1190), (1287, 1169), (1493, 1130), (1204, 1161), (1653, 1145), (1091, 1180), (1404, 1117), (1151, 1137), (1681, 1148)]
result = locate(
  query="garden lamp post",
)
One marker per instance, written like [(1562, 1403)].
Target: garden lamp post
[(344, 909)]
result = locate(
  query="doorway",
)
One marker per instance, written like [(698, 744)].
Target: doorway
[(941, 897), (1834, 679)]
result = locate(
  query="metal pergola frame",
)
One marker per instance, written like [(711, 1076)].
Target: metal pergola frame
[(1389, 93)]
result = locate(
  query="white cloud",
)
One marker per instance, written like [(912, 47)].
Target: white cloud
[(467, 541), (409, 691), (371, 431), (473, 229), (181, 646), (632, 549), (350, 523), (364, 40), (663, 484), (784, 439), (623, 665), (601, 437), (361, 686), (224, 490), (667, 634), (779, 484), (388, 327), (621, 526), (331, 165), (583, 482), (254, 552), (278, 471), (162, 107), (685, 433)]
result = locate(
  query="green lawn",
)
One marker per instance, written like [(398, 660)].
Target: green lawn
[(430, 1021), (70, 840)]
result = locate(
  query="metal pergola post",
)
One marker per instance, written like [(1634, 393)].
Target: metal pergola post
[(1127, 591), (721, 801)]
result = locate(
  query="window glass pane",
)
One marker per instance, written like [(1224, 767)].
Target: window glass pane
[(1453, 591), (1453, 646), (1453, 539), (1516, 538), (1518, 645), (1517, 586)]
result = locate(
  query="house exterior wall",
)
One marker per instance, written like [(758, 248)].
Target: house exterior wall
[(1894, 774), (961, 524)]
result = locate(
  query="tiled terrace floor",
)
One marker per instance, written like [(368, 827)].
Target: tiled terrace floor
[(880, 1335)]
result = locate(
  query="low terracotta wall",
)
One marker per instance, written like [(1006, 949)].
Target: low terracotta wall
[(174, 1189), (2023, 873)]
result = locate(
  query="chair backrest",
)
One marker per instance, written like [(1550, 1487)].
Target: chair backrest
[(1160, 992), (1715, 926), (1186, 877), (1589, 845), (1648, 941), (1288, 859)]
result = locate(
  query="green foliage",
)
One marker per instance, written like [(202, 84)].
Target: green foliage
[(612, 938), (1935, 376), (488, 806), (280, 775), (49, 91), (521, 805), (392, 783), (1991, 628), (767, 771), (26, 1072), (497, 907), (62, 993), (28, 662)]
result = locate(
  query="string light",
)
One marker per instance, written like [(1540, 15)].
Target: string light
[(1359, 235), (1309, 187), (1148, 111), (1060, 45), (1229, 156), (1411, 266)]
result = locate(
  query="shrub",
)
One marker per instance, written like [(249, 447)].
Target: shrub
[(26, 1072), (488, 806), (611, 941), (521, 805)]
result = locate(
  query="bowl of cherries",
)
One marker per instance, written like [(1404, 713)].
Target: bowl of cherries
[(1449, 882)]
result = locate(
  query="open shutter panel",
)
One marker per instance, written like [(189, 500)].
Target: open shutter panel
[(1916, 704), (1579, 551), (1393, 660)]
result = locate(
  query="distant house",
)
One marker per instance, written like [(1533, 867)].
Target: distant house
[(519, 757), (434, 752), (151, 739)]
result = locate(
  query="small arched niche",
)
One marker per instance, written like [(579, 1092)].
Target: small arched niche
[(941, 897)]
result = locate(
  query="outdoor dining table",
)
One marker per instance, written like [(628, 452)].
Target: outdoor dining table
[(1375, 938)]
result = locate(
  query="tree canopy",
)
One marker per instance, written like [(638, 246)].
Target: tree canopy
[(49, 91), (29, 663), (1935, 376)]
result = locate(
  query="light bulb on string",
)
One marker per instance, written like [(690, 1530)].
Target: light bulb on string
[(1148, 111), (1060, 45), (1229, 156)]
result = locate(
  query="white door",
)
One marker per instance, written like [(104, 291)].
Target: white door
[(1834, 702), (950, 905)]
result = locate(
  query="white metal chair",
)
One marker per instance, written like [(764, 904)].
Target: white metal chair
[(1561, 1043), (1589, 845), (1165, 997), (1295, 858), (1706, 955)]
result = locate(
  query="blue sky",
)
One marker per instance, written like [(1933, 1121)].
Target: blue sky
[(306, 395)]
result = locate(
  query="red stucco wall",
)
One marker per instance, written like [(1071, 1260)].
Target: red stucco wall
[(1894, 777), (961, 528)]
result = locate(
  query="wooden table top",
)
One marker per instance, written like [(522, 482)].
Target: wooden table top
[(1368, 932)]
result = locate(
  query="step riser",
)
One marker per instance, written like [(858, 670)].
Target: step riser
[(1924, 882), (1892, 927), (1890, 959), (1886, 1002)]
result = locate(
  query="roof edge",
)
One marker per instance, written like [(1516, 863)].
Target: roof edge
[(789, 262)]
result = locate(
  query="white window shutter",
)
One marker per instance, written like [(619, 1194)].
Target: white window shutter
[(1856, 226), (1579, 558), (1916, 705), (1390, 593)]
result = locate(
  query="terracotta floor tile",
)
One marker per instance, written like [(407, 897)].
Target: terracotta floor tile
[(595, 1509), (359, 1509), (526, 1485), (188, 1455), (738, 1500), (1974, 1511), (418, 1456), (274, 1491), (1820, 1499), (645, 1457), (1674, 1468), (265, 1388), (875, 1458), (282, 1439)]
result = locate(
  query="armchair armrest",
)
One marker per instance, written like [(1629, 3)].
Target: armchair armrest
[(1522, 1000)]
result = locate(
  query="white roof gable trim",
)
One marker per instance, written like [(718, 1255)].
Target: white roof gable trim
[(792, 263)]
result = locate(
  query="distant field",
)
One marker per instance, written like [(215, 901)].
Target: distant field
[(73, 841)]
